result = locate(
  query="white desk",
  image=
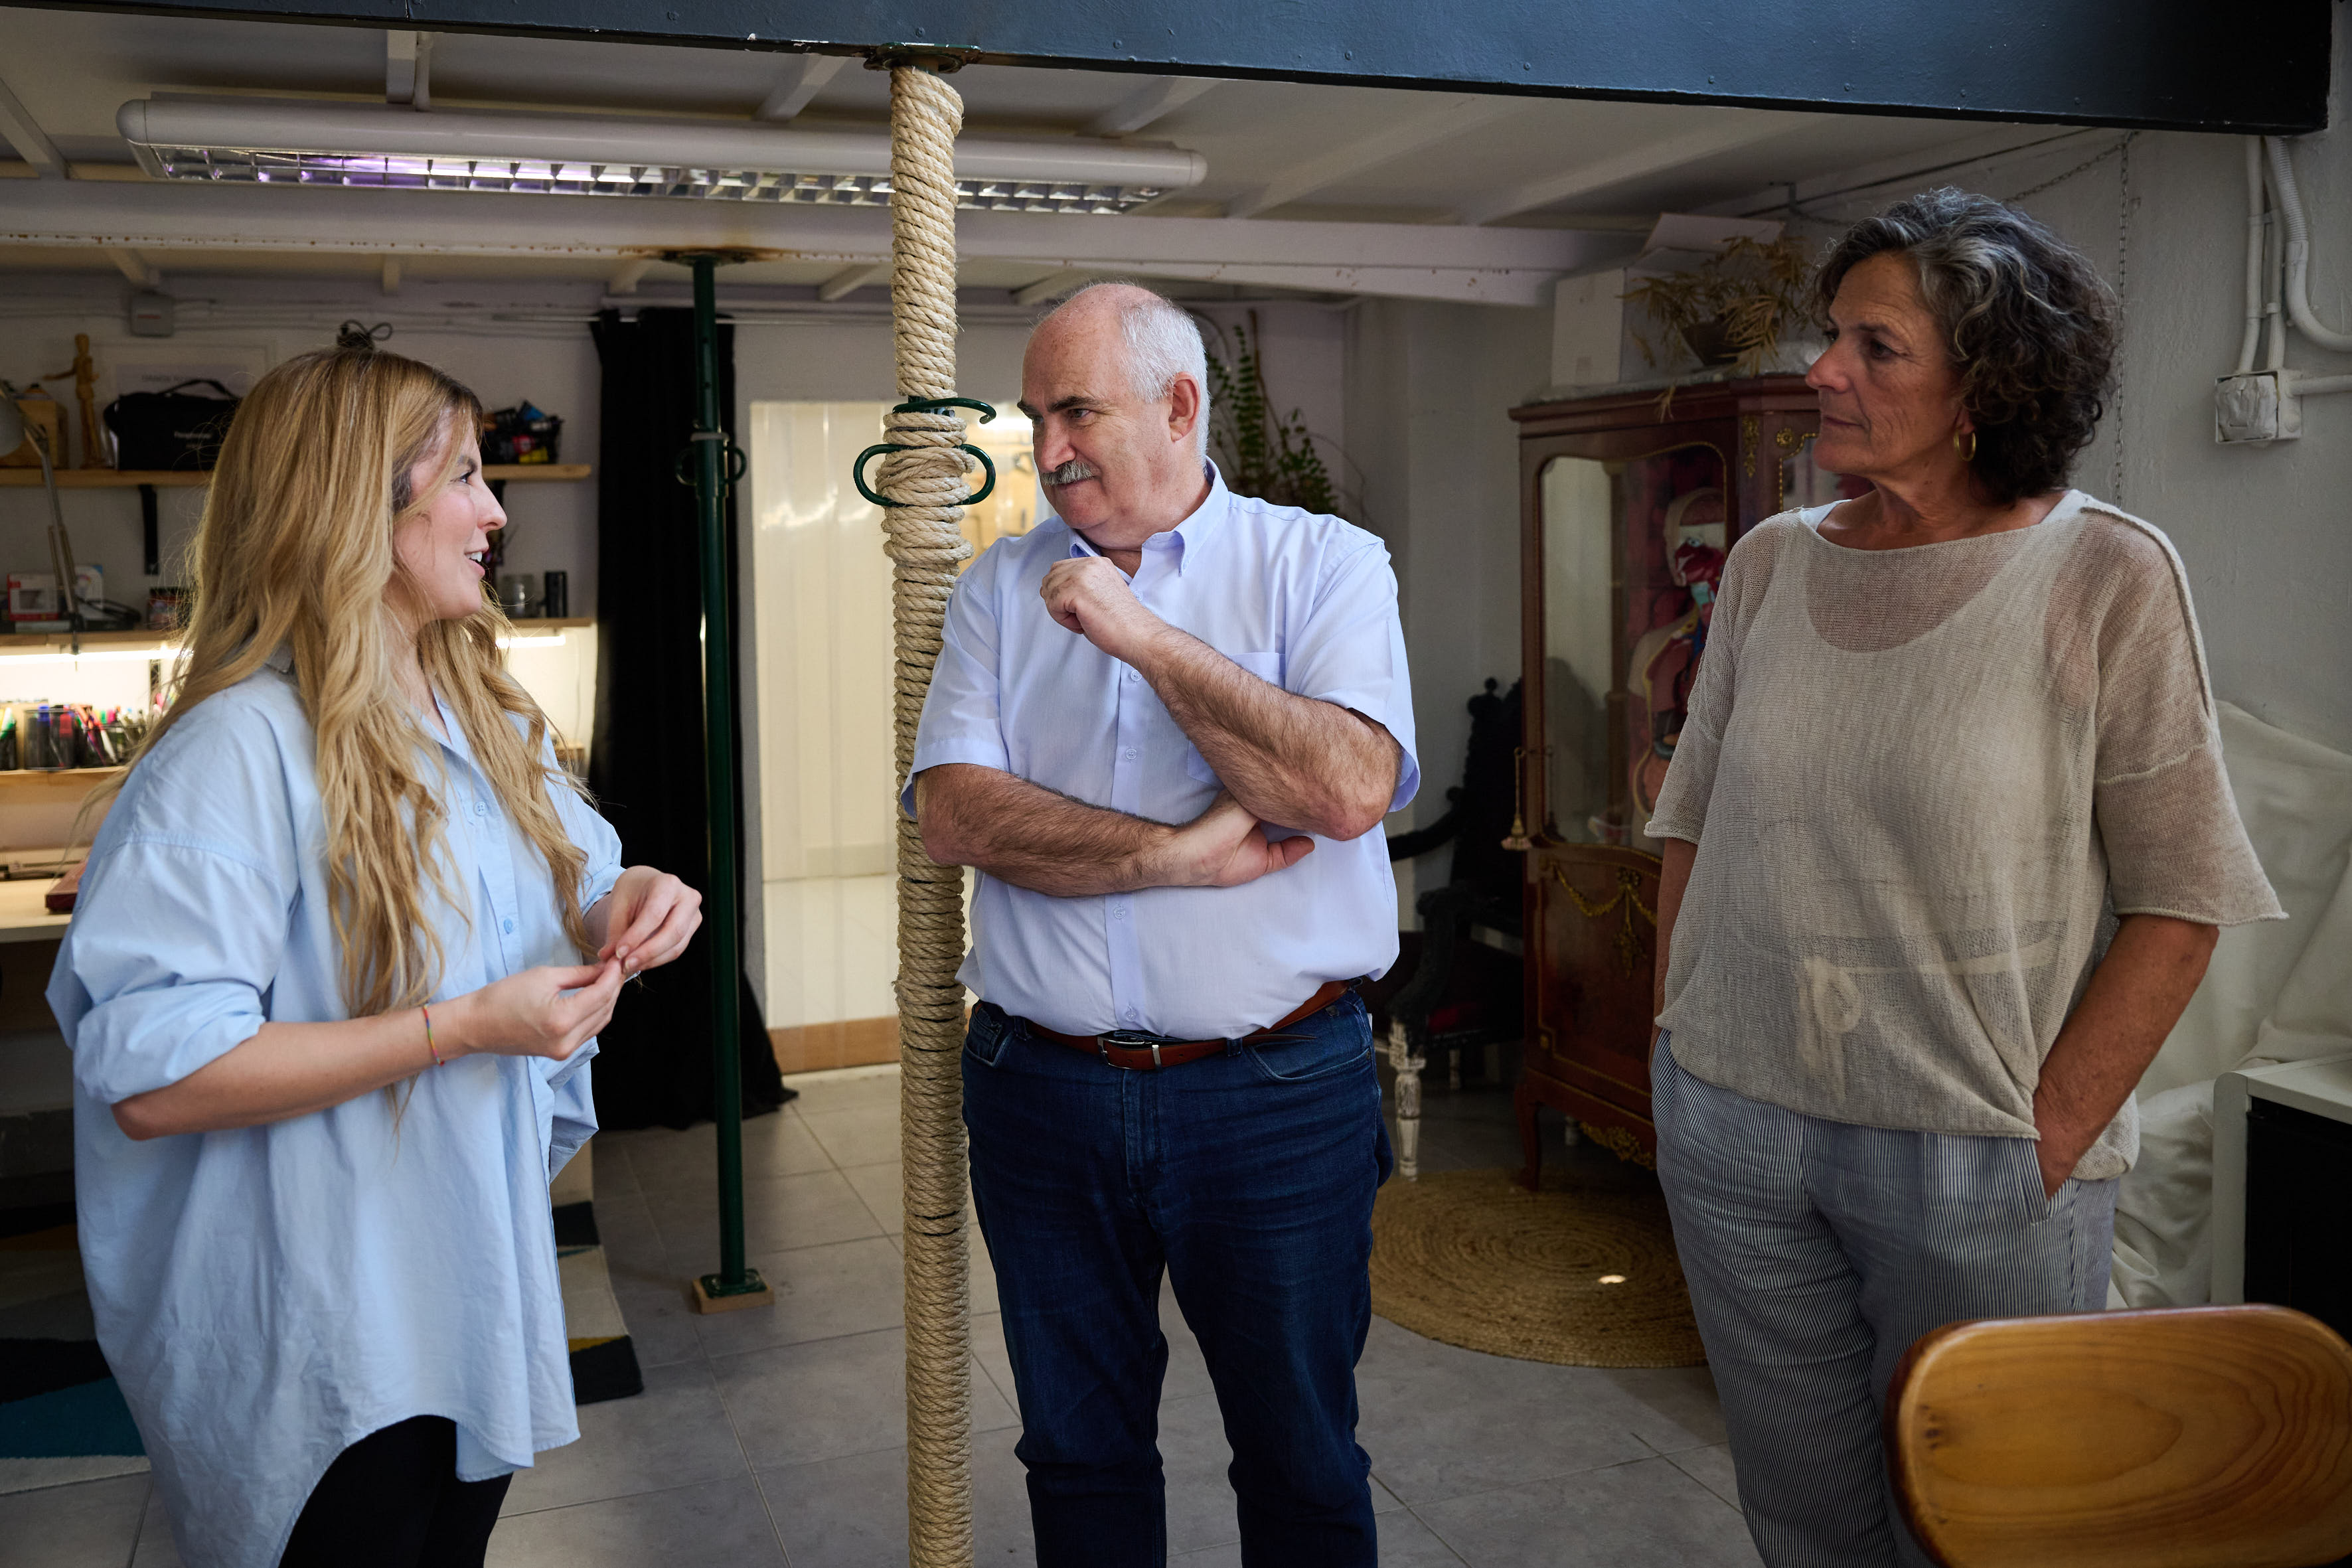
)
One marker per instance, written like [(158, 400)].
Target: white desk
[(23, 916), (2323, 1087)]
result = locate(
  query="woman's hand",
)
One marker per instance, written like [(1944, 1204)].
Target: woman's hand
[(543, 1011), (650, 916)]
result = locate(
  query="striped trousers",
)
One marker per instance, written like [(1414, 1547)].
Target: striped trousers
[(1816, 1252)]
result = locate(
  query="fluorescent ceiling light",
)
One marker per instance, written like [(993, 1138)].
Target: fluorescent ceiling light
[(270, 142)]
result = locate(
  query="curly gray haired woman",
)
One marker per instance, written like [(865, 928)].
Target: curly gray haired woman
[(1948, 839)]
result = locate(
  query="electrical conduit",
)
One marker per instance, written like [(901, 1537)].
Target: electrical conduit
[(2298, 255)]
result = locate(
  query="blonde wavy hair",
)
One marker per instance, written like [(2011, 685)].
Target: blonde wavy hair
[(295, 550)]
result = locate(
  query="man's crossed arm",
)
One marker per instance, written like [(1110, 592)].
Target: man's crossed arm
[(1284, 758), (1032, 837), (1291, 760)]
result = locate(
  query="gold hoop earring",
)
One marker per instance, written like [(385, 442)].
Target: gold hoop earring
[(1969, 453)]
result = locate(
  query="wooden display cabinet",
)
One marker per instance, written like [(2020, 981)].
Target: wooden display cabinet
[(1603, 483)]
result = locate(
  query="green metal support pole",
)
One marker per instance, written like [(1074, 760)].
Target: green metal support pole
[(735, 1284)]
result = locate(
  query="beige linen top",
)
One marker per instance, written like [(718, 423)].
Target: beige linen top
[(1922, 782)]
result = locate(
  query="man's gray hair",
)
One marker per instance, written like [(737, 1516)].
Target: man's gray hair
[(1162, 342)]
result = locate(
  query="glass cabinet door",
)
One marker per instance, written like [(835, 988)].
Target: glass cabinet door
[(1631, 551), (1579, 627)]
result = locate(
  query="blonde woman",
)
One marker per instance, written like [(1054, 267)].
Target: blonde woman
[(343, 944)]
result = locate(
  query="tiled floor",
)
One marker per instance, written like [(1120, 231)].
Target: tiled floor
[(776, 1436)]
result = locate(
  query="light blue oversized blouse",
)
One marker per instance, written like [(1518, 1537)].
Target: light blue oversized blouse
[(268, 1296)]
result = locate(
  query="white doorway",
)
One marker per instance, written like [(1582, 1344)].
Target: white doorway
[(820, 585)]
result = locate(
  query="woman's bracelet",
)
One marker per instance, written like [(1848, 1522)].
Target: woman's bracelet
[(428, 1038)]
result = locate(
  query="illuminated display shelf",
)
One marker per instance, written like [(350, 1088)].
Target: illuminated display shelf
[(182, 478), (57, 644)]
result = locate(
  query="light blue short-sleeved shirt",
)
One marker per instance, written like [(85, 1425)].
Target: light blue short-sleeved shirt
[(1306, 601), (268, 1296)]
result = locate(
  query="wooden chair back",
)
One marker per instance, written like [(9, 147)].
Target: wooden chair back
[(2198, 1438)]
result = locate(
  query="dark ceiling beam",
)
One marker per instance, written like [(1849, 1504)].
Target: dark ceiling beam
[(2182, 65)]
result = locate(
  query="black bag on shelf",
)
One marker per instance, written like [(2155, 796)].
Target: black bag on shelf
[(171, 429), (521, 434)]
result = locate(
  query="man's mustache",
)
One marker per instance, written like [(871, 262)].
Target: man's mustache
[(1071, 472)]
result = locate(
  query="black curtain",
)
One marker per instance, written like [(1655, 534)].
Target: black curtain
[(646, 769)]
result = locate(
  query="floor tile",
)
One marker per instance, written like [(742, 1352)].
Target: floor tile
[(845, 1088), (91, 1524), (821, 1292), (718, 1521), (156, 1547), (851, 1513), (857, 1135), (779, 1212), (1643, 1515), (988, 1350), (652, 1291), (675, 1433), (1710, 1467), (776, 1144), (1407, 1543), (1678, 1408), (1440, 1422), (802, 1402), (1194, 1457)]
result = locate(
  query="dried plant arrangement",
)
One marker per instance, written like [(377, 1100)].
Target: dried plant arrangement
[(1731, 309), (1262, 453)]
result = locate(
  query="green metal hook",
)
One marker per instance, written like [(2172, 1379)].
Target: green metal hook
[(857, 468), (733, 462)]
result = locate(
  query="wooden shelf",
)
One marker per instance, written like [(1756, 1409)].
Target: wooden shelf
[(60, 642), (186, 478), (59, 780)]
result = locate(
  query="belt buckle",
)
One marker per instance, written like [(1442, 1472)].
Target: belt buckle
[(1128, 1039)]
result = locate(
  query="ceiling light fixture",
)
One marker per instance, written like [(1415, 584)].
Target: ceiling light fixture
[(269, 142)]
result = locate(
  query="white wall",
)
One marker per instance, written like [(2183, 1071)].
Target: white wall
[(1428, 393)]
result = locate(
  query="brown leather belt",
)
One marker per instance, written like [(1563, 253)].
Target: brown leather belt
[(1144, 1054)]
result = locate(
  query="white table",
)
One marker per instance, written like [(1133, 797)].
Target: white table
[(2323, 1087)]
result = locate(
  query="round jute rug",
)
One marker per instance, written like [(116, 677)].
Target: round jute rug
[(1579, 1273)]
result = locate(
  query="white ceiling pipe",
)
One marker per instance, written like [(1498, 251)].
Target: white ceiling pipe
[(2298, 255), (272, 125), (2251, 342)]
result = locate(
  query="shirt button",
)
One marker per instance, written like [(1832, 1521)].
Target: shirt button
[(482, 808), (1132, 1014), (507, 926), (1119, 912), (1129, 753)]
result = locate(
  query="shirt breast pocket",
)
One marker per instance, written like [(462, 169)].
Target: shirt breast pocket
[(1267, 667)]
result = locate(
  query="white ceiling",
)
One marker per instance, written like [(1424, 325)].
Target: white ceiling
[(1302, 156)]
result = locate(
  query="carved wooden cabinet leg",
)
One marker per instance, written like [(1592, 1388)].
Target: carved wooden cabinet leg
[(1530, 1138), (1408, 1064)]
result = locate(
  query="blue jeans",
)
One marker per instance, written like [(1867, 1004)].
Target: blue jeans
[(1816, 1252), (1249, 1178)]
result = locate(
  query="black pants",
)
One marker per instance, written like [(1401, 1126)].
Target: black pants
[(393, 1499)]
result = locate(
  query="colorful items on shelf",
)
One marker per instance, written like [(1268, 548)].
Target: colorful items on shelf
[(55, 736)]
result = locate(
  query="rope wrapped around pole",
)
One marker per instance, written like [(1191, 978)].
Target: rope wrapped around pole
[(925, 543)]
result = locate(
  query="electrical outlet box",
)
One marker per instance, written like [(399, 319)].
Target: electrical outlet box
[(2257, 408), (149, 315)]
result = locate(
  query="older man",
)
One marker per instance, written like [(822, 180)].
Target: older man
[(1163, 726)]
